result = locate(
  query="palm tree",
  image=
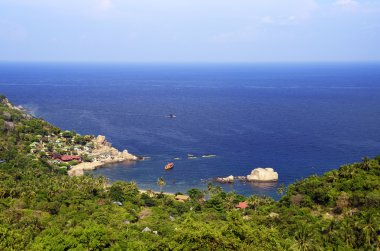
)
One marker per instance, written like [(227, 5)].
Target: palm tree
[(347, 171), (254, 201), (332, 176), (133, 183), (218, 189), (281, 189), (210, 187), (229, 200), (365, 163), (368, 228), (150, 193), (303, 239), (161, 183), (347, 232)]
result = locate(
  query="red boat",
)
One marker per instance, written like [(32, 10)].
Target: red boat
[(169, 166)]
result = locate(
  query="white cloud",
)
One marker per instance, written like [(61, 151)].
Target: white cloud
[(347, 3), (279, 20), (105, 5), (246, 34), (267, 20), (12, 32)]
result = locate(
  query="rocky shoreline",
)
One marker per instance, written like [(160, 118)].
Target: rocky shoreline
[(98, 152), (93, 153), (102, 154), (257, 175)]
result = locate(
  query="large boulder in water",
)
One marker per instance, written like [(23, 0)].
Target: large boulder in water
[(263, 174)]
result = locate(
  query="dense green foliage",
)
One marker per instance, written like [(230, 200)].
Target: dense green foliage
[(41, 208)]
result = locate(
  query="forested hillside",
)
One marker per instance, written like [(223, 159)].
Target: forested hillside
[(41, 208)]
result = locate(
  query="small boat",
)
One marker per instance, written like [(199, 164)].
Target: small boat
[(208, 156), (169, 166), (171, 116)]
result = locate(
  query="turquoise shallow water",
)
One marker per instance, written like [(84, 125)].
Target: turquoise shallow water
[(300, 119)]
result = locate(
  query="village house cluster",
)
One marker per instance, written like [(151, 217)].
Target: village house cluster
[(66, 147)]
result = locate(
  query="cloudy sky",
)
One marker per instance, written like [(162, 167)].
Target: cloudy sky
[(189, 30)]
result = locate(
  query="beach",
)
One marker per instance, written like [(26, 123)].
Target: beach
[(79, 169)]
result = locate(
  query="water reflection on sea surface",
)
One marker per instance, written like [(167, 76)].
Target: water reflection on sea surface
[(263, 185)]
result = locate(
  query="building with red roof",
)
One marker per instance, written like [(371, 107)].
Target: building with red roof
[(70, 158), (242, 205)]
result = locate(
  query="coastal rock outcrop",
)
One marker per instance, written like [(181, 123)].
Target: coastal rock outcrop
[(126, 155), (103, 150), (6, 102), (263, 174), (229, 179), (103, 153), (7, 115), (9, 125), (101, 141)]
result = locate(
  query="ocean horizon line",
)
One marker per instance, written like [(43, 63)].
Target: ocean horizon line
[(321, 62)]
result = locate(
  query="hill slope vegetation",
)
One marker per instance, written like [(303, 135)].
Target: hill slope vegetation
[(41, 208)]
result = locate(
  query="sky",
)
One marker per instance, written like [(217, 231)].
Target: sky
[(190, 30)]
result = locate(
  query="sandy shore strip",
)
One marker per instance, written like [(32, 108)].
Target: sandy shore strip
[(78, 170), (155, 192)]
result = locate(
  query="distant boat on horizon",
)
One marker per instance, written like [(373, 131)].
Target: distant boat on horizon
[(171, 116)]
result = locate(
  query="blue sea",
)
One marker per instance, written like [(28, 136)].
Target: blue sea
[(300, 119)]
